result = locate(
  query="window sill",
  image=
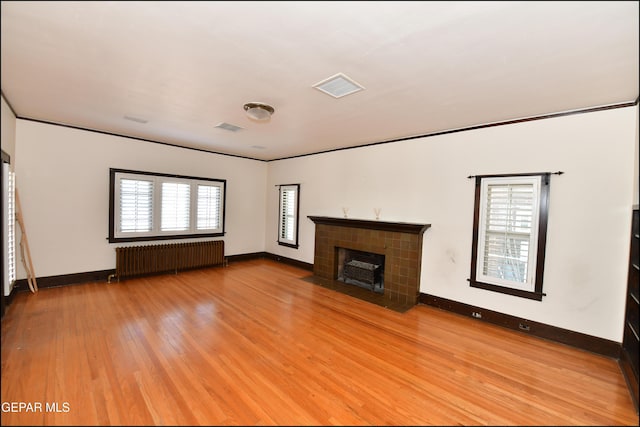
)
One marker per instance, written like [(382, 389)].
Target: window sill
[(289, 245), (509, 291), (168, 237)]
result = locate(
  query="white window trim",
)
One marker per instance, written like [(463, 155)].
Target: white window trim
[(156, 233), (282, 240), (529, 284)]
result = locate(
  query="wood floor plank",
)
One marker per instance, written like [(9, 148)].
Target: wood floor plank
[(255, 343)]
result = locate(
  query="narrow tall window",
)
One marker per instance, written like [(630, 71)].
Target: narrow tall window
[(288, 215), (11, 228), (9, 232), (510, 234)]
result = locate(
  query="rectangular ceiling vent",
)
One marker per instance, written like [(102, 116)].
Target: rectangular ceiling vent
[(229, 127), (338, 86)]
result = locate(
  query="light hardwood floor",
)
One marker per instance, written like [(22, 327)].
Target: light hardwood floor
[(253, 343)]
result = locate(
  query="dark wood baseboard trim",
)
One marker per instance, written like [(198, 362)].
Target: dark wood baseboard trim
[(65, 279), (273, 257), (103, 275), (540, 330), (290, 261), (245, 257)]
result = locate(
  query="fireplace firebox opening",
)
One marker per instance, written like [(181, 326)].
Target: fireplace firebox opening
[(363, 269)]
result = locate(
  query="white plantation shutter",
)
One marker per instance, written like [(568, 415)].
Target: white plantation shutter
[(208, 210), (175, 206), (11, 228), (9, 216), (288, 208), (508, 231), (136, 205), (288, 215)]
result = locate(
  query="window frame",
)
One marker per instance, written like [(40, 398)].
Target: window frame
[(292, 243), (159, 178), (477, 279)]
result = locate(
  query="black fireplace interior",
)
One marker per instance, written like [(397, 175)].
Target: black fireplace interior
[(363, 269)]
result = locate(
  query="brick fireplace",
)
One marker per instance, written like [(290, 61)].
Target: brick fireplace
[(399, 242)]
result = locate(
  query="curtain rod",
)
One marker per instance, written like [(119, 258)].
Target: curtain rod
[(516, 174)]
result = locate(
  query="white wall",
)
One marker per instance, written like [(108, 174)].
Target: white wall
[(425, 180), (62, 175), (8, 123)]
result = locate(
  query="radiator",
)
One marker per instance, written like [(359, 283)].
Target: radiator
[(151, 259)]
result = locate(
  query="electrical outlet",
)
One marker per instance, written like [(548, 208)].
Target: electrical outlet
[(476, 314)]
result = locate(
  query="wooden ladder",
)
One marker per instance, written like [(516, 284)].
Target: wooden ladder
[(24, 248)]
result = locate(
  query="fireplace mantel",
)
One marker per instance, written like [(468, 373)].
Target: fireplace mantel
[(400, 227)]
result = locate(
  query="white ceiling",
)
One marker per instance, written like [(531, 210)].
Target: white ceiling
[(426, 67)]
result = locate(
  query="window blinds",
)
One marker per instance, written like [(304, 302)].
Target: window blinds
[(288, 215), (136, 205), (175, 206), (208, 207), (288, 211), (9, 216), (11, 228), (509, 215)]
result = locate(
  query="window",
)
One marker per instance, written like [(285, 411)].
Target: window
[(9, 228), (509, 234), (288, 218), (152, 206), (175, 206), (209, 202)]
